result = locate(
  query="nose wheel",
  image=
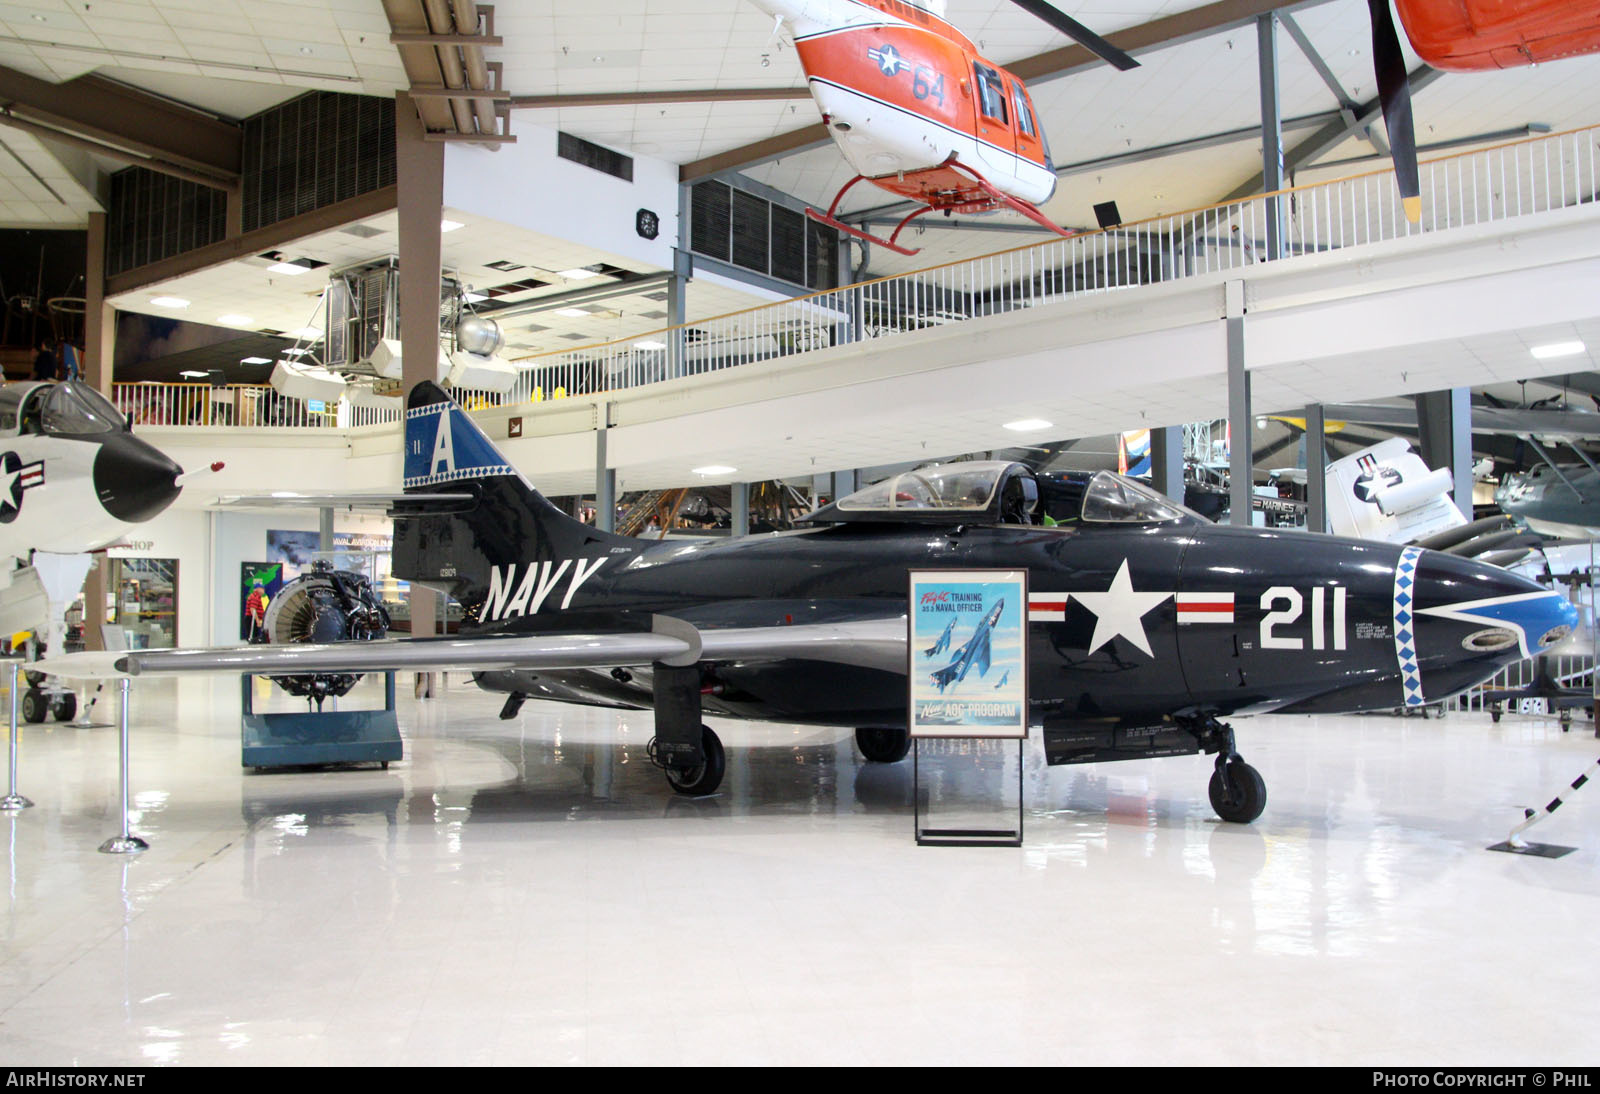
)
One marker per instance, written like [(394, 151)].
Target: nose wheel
[(1238, 792)]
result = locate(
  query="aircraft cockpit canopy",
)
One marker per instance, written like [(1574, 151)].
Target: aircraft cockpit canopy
[(981, 492), (1100, 497), (67, 409)]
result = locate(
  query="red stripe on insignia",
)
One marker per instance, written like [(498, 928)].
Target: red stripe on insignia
[(1206, 607)]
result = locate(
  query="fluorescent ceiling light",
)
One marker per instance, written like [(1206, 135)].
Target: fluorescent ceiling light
[(713, 469), (573, 313), (649, 345), (297, 352), (255, 360), (576, 275), (292, 269), (169, 302), (1025, 425), (449, 226), (1557, 349), (234, 320), (191, 373), (305, 332), (473, 297)]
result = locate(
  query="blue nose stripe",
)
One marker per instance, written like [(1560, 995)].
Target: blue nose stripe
[(1528, 615), (1405, 645)]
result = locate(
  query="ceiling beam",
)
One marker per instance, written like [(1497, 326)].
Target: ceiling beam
[(106, 112), (1330, 136), (650, 98), (271, 237), (1510, 421), (1170, 30)]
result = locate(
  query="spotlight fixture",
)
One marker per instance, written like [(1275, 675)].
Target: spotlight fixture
[(713, 469), (577, 274), (1027, 425), (289, 269)]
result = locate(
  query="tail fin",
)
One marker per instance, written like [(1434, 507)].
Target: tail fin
[(477, 553)]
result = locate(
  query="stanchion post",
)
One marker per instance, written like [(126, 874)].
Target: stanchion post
[(13, 801), (126, 843)]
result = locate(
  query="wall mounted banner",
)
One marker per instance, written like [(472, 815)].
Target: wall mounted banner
[(969, 653)]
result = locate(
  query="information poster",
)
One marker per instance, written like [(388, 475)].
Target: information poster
[(259, 582), (969, 653)]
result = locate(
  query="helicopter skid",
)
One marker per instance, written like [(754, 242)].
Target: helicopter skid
[(839, 225)]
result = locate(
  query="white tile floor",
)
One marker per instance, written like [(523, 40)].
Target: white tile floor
[(531, 892)]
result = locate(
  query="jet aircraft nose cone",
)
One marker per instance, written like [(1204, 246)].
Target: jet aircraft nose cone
[(133, 480), (1460, 621)]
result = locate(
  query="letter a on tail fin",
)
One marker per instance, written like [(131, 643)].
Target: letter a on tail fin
[(484, 555)]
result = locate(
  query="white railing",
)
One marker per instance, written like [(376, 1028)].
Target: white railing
[(1491, 185)]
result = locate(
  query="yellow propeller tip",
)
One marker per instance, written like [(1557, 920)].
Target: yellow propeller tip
[(1413, 207)]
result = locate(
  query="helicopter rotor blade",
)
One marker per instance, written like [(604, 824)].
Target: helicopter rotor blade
[(1079, 33), (1394, 91)]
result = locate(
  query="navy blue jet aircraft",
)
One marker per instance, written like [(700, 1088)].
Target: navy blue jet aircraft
[(974, 653), (1147, 625), (944, 641)]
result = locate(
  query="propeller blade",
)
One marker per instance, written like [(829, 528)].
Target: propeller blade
[(1079, 33), (1394, 92)]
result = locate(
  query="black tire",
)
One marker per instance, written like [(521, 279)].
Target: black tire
[(35, 707), (1249, 798), (883, 746), (63, 707), (704, 778)]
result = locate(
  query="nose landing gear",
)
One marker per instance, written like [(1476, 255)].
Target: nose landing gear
[(1238, 792)]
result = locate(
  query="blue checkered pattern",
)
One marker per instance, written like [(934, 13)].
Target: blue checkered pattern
[(1405, 643)]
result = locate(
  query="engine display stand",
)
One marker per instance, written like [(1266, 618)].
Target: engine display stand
[(320, 737)]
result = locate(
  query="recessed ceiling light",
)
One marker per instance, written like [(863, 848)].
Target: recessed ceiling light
[(292, 269), (235, 320), (169, 302), (1024, 425), (572, 313), (307, 50), (649, 345), (305, 332), (713, 469), (578, 274), (1557, 349), (255, 360), (449, 226)]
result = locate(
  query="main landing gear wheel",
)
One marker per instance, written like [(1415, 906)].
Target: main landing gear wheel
[(883, 746), (1238, 792), (702, 778), (35, 707)]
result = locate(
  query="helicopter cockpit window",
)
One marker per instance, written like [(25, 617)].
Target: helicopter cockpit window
[(1112, 499), (73, 408), (1024, 115), (950, 488), (991, 93)]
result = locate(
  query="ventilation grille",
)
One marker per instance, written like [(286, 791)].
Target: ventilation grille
[(755, 234), (314, 151), (154, 216), (593, 155)]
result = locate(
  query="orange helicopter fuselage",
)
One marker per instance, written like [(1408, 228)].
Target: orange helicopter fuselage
[(1482, 35), (902, 92)]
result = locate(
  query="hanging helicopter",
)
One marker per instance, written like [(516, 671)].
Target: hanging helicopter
[(917, 111)]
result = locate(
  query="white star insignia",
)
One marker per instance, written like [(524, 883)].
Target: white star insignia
[(1120, 612)]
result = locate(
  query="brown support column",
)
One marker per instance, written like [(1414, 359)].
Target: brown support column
[(233, 213), (419, 167), (99, 337)]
